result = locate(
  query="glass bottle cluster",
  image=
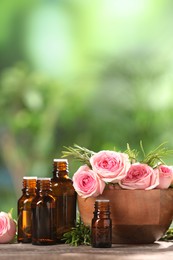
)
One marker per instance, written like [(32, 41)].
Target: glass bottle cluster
[(47, 207)]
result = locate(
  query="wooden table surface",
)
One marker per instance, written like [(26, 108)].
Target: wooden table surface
[(156, 251)]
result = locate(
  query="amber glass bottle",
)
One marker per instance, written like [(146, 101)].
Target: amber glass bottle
[(101, 226), (44, 215), (62, 187), (24, 210)]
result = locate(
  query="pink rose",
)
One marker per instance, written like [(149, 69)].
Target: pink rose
[(140, 176), (110, 166), (7, 228), (87, 183), (165, 176)]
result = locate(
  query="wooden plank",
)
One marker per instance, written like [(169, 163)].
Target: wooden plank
[(158, 250)]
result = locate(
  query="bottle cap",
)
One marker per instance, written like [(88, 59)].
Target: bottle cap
[(29, 177), (60, 160), (44, 178)]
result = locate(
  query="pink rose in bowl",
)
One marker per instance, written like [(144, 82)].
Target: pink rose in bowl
[(110, 166), (165, 176), (140, 176), (87, 183), (7, 228)]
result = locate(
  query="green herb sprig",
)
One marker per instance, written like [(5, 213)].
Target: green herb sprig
[(81, 154), (168, 235), (153, 158), (132, 153), (156, 156), (79, 235)]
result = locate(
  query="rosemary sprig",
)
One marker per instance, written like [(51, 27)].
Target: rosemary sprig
[(153, 158), (79, 235), (82, 154), (156, 156), (132, 153)]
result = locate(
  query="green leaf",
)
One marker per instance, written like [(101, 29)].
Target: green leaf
[(132, 153), (82, 154), (168, 235), (155, 157), (79, 235)]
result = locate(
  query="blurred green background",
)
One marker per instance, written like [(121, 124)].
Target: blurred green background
[(98, 73)]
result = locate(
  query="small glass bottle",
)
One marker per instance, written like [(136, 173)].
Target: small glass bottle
[(63, 190), (24, 210), (44, 215), (101, 226)]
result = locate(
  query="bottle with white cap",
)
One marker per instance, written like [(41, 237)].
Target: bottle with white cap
[(63, 190)]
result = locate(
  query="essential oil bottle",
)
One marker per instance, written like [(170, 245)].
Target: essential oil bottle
[(63, 190), (101, 226), (44, 215), (24, 210)]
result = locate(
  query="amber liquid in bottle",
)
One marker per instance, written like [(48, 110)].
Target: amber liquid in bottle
[(24, 210), (101, 226), (63, 190), (44, 215)]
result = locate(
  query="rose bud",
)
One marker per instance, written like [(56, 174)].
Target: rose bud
[(7, 228)]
